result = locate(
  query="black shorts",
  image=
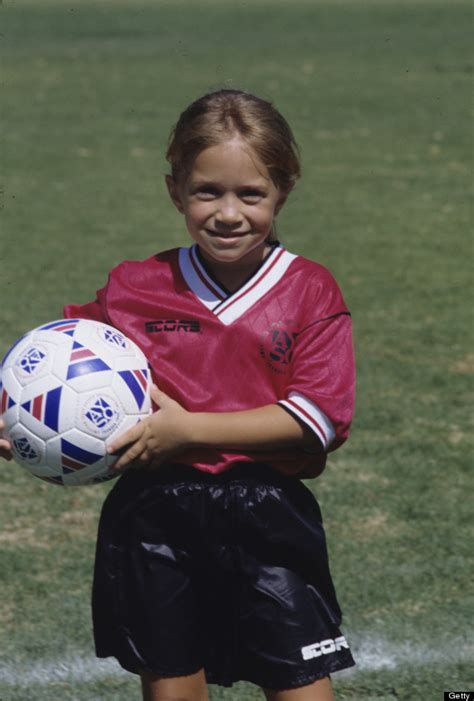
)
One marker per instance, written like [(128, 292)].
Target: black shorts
[(223, 572)]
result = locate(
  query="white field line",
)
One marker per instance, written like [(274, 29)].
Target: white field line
[(71, 669), (371, 654)]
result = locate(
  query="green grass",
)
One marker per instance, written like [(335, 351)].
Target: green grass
[(378, 96)]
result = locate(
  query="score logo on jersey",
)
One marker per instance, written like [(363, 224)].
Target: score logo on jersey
[(67, 388), (160, 325)]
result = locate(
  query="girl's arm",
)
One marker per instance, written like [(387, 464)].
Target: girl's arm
[(172, 430)]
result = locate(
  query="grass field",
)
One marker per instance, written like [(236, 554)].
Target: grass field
[(378, 94)]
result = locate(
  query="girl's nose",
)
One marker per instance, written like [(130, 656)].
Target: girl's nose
[(229, 212)]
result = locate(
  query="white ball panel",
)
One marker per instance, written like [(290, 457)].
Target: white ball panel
[(138, 362), (36, 427), (90, 381), (54, 338), (11, 416), (10, 383)]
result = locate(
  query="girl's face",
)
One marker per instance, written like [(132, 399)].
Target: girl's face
[(229, 202)]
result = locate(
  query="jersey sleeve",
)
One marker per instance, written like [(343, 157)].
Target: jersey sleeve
[(95, 311), (321, 389)]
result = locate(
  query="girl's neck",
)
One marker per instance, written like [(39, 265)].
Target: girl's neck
[(234, 274)]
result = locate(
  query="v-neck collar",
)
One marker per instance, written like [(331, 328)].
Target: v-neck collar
[(229, 306), (226, 290)]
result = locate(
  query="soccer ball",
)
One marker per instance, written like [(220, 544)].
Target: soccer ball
[(67, 389)]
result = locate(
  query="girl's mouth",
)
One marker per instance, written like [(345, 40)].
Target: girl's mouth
[(226, 234)]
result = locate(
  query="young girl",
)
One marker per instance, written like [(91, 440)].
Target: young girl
[(211, 560)]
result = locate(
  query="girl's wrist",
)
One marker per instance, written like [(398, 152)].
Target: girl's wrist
[(197, 430)]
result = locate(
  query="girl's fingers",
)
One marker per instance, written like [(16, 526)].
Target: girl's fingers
[(155, 393), (128, 457), (138, 451), (5, 449), (157, 397), (160, 398), (118, 466), (130, 436)]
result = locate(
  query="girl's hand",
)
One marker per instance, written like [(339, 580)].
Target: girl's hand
[(156, 438), (5, 447)]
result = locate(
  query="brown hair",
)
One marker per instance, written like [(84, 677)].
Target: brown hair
[(218, 116)]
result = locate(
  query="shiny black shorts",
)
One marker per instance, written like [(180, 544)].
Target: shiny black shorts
[(228, 573)]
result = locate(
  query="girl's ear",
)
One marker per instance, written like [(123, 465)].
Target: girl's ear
[(174, 193), (281, 200)]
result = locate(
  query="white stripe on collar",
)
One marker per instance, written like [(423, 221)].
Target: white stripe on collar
[(197, 279), (227, 307)]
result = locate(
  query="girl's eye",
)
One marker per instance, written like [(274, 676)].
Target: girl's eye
[(251, 196), (207, 193)]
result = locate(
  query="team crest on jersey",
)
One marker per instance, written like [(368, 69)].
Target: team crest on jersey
[(277, 345)]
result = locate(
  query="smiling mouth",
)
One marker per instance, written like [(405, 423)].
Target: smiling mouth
[(227, 234)]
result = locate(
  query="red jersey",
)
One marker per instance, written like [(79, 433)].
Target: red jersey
[(283, 337)]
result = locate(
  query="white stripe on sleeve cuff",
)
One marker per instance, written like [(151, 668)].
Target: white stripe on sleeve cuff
[(311, 415)]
